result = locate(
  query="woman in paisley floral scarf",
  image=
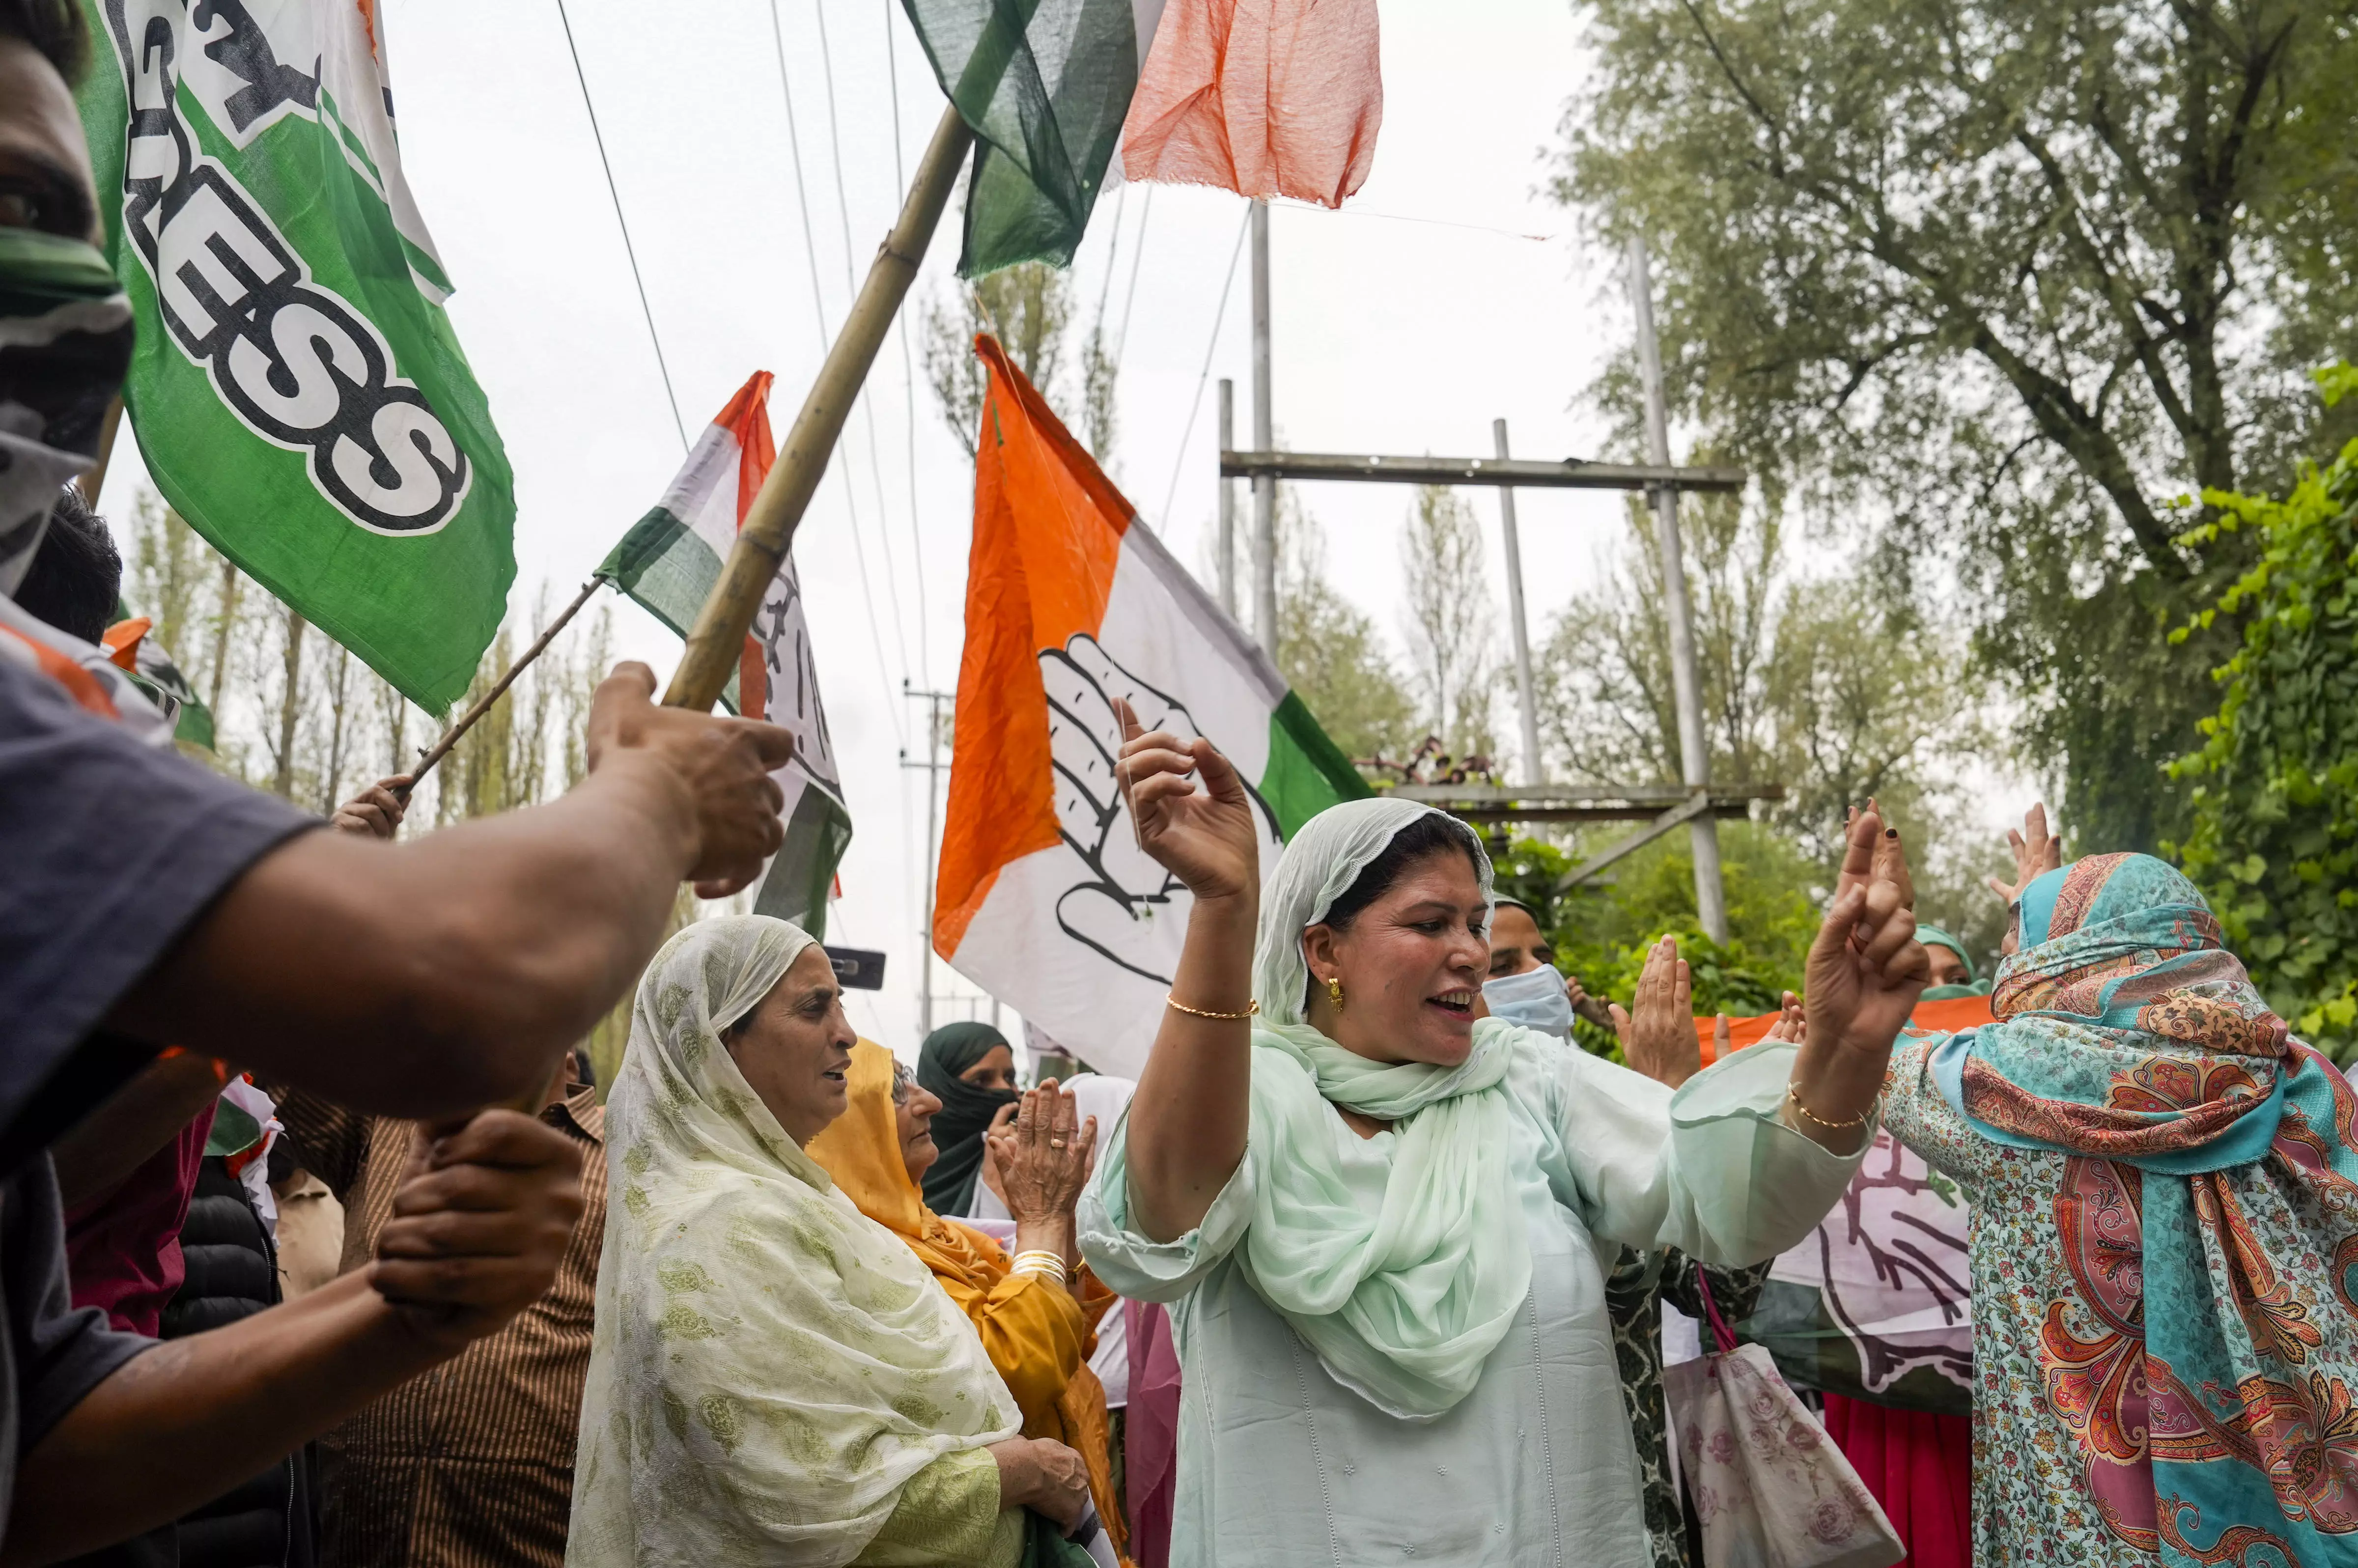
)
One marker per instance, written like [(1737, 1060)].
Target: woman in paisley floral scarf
[(2165, 1191)]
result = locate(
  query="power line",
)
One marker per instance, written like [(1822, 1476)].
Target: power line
[(1137, 256), (628, 249), (851, 292), (818, 311), (1217, 316), (1113, 252)]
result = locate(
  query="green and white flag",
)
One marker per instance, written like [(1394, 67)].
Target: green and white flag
[(1044, 88), (669, 561), (297, 391), (153, 671)]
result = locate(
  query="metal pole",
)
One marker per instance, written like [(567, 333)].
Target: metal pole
[(932, 762), (1264, 439), (1694, 749), (767, 531), (1228, 501), (1532, 772)]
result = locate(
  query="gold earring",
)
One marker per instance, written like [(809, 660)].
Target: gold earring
[(1335, 993)]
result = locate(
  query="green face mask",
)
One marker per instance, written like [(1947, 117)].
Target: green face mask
[(65, 343)]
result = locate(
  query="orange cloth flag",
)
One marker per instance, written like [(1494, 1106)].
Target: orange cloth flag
[(1261, 97), (1945, 1016)]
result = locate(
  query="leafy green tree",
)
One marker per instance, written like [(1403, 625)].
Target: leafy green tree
[(2002, 278), (1028, 307), (2273, 834), (1449, 618), (1330, 651)]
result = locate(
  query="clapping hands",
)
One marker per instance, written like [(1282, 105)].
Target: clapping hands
[(1657, 1032)]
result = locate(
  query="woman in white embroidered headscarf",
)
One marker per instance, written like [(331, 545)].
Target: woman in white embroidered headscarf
[(1377, 1217), (775, 1377)]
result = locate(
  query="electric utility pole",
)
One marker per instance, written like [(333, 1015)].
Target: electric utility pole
[(1694, 747), (931, 767), (1228, 501), (1532, 773), (1264, 439)]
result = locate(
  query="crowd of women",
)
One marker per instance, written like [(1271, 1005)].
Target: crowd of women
[(1382, 1223)]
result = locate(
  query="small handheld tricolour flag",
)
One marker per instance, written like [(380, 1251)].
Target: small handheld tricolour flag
[(669, 561), (1045, 898)]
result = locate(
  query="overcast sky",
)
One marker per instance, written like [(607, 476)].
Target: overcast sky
[(1447, 294)]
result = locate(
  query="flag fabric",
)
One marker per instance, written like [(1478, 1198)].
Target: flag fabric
[(1044, 88), (297, 391), (131, 646), (1261, 97), (1044, 897), (669, 561), (1877, 1305), (88, 673)]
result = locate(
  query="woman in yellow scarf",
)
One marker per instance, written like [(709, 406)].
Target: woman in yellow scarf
[(1036, 1313)]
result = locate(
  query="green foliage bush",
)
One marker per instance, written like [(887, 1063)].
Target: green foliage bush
[(2272, 840)]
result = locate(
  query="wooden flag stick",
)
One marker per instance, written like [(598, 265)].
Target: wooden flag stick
[(769, 528), (466, 722)]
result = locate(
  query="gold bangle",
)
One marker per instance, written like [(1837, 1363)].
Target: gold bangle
[(1043, 1265), (1794, 1094), (1201, 1013)]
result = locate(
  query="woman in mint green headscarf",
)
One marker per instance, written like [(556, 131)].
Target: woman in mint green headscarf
[(1953, 968), (1377, 1217)]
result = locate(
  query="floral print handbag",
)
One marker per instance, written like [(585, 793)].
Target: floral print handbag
[(1770, 1486)]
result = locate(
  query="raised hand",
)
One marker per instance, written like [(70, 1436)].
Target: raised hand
[(1865, 969), (1658, 1033), (1206, 837), (2037, 852), (1043, 1155), (377, 812), (722, 765)]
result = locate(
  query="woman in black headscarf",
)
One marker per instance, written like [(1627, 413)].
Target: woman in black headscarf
[(970, 1068)]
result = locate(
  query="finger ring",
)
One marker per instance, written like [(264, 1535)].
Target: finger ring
[(1055, 1143)]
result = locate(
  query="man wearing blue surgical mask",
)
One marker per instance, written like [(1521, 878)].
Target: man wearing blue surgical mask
[(1525, 987)]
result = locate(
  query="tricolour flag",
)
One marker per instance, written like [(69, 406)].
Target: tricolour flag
[(1271, 98), (1045, 89), (669, 561), (131, 646), (1045, 898), (298, 393)]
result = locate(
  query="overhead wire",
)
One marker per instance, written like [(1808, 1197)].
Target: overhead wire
[(851, 292), (629, 250), (1196, 404), (819, 310), (1137, 256)]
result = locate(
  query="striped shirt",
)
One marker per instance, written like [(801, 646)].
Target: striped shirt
[(469, 1465)]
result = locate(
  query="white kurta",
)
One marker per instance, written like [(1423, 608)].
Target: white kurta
[(1281, 1466)]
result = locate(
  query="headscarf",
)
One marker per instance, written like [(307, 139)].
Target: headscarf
[(1933, 936), (2204, 1356), (769, 1365), (966, 1113), (861, 1150), (1402, 1302)]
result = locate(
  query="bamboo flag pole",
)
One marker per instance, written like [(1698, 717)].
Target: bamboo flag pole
[(482, 704), (768, 532)]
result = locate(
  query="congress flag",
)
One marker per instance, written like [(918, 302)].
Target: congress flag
[(1043, 898), (669, 561), (299, 394)]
